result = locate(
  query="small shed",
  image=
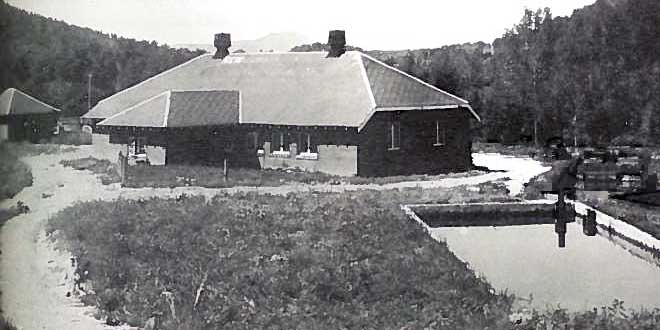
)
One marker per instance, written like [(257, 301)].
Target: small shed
[(24, 118)]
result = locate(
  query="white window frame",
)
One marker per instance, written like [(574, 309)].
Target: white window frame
[(440, 140), (280, 153), (307, 154), (395, 126)]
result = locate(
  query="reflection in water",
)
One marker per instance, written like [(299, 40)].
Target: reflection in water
[(589, 272)]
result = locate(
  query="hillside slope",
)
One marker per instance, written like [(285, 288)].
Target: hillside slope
[(51, 60)]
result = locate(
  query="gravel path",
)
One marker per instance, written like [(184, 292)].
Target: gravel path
[(35, 277)]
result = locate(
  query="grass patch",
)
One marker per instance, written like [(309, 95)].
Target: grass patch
[(213, 177), (102, 167), (301, 261)]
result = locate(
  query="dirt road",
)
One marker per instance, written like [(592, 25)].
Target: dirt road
[(35, 277)]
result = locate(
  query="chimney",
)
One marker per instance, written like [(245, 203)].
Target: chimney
[(337, 42), (222, 43)]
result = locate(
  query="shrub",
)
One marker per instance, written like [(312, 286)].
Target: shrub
[(14, 174)]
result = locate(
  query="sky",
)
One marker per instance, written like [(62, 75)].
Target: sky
[(369, 24)]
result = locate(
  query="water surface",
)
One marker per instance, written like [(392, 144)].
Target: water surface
[(589, 272)]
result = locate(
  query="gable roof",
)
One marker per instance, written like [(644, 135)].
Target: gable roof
[(181, 109), (298, 89), (15, 102)]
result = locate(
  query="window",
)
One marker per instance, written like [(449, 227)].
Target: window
[(440, 135), (394, 135), (279, 142), (253, 143), (138, 145), (305, 144)]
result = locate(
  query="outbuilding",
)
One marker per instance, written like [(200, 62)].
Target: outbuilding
[(24, 118)]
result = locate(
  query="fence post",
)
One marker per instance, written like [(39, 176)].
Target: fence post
[(224, 170), (123, 163)]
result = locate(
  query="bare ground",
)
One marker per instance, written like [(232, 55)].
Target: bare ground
[(35, 276)]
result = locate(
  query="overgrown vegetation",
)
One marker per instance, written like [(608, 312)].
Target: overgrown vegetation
[(301, 261), (213, 177), (14, 174), (102, 167)]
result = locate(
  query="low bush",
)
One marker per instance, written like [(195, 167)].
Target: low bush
[(14, 174), (103, 167), (301, 261)]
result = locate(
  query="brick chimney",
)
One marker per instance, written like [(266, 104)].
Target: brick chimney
[(222, 43), (337, 42)]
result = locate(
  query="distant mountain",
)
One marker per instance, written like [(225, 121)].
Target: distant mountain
[(275, 42)]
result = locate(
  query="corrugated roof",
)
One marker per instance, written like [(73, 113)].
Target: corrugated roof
[(302, 89), (15, 102), (181, 109)]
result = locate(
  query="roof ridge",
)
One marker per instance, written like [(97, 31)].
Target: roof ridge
[(166, 116), (12, 92), (135, 106), (150, 78), (411, 77), (33, 99)]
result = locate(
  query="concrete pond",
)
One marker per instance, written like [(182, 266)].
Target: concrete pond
[(522, 257)]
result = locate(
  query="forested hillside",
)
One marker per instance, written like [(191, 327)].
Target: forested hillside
[(51, 60), (594, 75)]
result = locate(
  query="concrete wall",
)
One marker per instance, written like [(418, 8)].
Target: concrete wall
[(104, 149), (337, 160), (156, 155)]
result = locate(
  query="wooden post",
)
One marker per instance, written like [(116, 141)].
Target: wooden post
[(224, 171)]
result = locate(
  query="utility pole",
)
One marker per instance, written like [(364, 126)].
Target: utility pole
[(89, 91)]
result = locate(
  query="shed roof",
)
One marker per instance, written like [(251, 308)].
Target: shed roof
[(298, 89), (15, 102)]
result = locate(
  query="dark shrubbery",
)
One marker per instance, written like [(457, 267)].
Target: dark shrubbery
[(14, 174), (301, 261)]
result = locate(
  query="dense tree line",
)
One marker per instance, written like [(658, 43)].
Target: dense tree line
[(51, 60), (591, 78)]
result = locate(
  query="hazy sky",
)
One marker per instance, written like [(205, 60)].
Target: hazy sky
[(368, 24)]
